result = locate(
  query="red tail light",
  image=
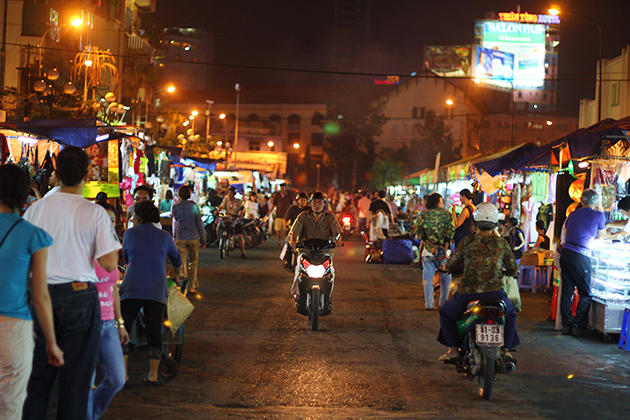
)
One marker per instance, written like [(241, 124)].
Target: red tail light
[(305, 264), (327, 264)]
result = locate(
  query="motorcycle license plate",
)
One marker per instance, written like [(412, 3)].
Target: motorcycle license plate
[(489, 335)]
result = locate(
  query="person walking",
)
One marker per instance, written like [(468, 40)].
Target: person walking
[(23, 254), (464, 222), (435, 229), (145, 284), (82, 232), (189, 235), (282, 200), (363, 207), (517, 239), (582, 228), (166, 206), (113, 334)]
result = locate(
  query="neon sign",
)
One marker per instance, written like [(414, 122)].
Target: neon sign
[(529, 18), (391, 80)]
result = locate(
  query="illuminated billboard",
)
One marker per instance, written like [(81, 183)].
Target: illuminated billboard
[(448, 60), (526, 42), (495, 66)]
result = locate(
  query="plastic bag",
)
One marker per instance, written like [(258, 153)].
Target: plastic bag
[(178, 307), (510, 285)]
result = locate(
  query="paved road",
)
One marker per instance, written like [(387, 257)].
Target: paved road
[(249, 355)]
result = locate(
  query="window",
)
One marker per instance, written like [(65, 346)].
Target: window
[(275, 118), (423, 112), (294, 119), (254, 145), (317, 139), (253, 117), (615, 94), (293, 138), (414, 112)]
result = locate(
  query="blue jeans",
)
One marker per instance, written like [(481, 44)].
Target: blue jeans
[(77, 320), (110, 357), (454, 308), (429, 266)]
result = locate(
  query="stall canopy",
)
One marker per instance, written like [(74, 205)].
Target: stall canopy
[(80, 132), (496, 163)]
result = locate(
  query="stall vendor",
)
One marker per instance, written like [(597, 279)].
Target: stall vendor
[(624, 225)]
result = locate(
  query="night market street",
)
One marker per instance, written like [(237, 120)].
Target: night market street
[(247, 354)]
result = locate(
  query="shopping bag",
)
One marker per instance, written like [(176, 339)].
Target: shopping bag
[(510, 285), (178, 308), (283, 253)]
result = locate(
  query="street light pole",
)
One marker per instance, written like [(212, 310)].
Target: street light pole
[(208, 114), (555, 11), (237, 88)]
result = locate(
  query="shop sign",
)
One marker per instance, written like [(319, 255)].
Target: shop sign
[(529, 18), (391, 80)]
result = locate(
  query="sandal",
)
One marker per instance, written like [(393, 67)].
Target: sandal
[(446, 357), (147, 381)]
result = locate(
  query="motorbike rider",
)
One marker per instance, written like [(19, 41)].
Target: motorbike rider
[(481, 257), (233, 207), (316, 223)]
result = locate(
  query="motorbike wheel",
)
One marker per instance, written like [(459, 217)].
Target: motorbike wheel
[(167, 369), (315, 304), (486, 377), (250, 239), (223, 245)]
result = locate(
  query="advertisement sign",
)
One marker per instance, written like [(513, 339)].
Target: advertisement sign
[(494, 65), (448, 60), (526, 42)]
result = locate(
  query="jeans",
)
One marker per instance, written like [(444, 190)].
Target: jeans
[(429, 266), (16, 358), (77, 320), (189, 250), (454, 308), (110, 357), (576, 272)]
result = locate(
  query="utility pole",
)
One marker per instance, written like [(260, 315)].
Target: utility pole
[(208, 114)]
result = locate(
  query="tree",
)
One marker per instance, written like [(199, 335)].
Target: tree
[(352, 124), (102, 70), (433, 136), (386, 172)]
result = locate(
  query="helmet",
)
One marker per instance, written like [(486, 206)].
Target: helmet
[(301, 195), (486, 212), (317, 195)]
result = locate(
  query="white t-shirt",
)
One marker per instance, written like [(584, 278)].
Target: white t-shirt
[(364, 207), (81, 232), (251, 209)]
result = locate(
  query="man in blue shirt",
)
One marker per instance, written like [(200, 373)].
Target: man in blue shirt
[(582, 228)]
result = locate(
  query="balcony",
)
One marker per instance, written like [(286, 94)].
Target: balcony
[(138, 45)]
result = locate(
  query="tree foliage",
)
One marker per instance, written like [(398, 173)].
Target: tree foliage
[(351, 126), (386, 172)]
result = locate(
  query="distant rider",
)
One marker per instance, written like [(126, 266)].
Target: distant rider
[(234, 208), (316, 223), (481, 257), (294, 211)]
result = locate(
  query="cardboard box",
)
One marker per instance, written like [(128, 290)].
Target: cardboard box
[(533, 258)]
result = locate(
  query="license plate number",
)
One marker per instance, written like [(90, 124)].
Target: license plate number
[(489, 335)]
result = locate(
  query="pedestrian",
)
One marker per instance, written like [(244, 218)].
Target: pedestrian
[(252, 206), (189, 234), (166, 206), (464, 223), (482, 259), (517, 239), (434, 227), (376, 206), (543, 241), (363, 207), (582, 227), (113, 334), (23, 255), (282, 200), (145, 284), (81, 232), (140, 193)]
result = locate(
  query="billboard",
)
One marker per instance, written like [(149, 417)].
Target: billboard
[(526, 42), (448, 60), (494, 66)]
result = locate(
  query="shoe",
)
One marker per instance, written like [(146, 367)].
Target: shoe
[(430, 309), (446, 357), (579, 332), (567, 330), (243, 256), (149, 382)]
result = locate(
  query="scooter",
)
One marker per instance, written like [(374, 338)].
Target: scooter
[(481, 332), (315, 279), (347, 221)]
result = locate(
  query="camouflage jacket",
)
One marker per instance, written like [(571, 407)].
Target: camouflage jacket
[(481, 259), (435, 227)]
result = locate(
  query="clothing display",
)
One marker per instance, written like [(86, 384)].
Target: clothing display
[(530, 210), (540, 185), (515, 209)]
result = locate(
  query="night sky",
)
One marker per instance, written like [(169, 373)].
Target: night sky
[(298, 34)]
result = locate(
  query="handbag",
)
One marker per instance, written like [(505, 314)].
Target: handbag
[(178, 308), (510, 285)]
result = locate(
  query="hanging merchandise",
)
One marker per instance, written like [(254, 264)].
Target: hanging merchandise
[(530, 210), (540, 182), (515, 211), (609, 179)]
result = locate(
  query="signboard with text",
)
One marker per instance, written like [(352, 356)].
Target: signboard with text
[(448, 60), (494, 65)]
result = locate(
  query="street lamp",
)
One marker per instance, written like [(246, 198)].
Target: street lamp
[(237, 88), (170, 89), (76, 22), (555, 10), (550, 124)]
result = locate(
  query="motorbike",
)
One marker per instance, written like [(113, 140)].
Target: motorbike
[(254, 232), (208, 218), (481, 332), (315, 279), (226, 235), (347, 223)]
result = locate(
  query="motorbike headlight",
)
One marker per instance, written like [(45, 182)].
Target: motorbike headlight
[(315, 271)]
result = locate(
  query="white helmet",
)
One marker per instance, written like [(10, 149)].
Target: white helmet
[(486, 212)]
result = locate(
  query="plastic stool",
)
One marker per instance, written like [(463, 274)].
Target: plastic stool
[(527, 277), (624, 342), (541, 275)]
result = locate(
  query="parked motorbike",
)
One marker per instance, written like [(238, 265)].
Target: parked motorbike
[(481, 333), (315, 279), (254, 232)]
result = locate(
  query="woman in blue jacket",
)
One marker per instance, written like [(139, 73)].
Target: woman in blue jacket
[(145, 249)]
